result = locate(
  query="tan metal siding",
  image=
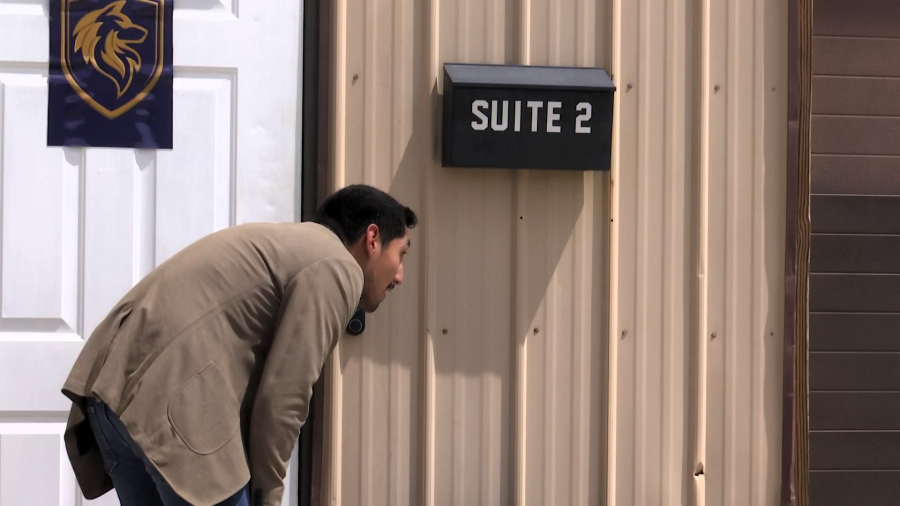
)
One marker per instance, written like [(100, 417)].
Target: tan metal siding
[(485, 380)]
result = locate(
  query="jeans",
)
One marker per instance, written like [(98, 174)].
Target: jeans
[(136, 481)]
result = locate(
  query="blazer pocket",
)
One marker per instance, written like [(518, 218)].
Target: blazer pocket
[(204, 412)]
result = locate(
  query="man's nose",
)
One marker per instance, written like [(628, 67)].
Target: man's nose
[(398, 279)]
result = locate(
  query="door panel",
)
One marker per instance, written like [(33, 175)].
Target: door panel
[(79, 227)]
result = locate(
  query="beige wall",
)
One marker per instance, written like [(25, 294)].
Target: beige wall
[(503, 372)]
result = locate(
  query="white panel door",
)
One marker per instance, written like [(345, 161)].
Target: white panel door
[(78, 227)]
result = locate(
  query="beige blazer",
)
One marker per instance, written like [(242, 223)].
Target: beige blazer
[(210, 360)]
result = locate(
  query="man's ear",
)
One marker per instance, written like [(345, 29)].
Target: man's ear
[(373, 238)]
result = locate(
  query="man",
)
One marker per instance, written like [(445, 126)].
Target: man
[(194, 388)]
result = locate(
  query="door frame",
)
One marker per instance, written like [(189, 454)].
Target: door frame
[(795, 406), (313, 188)]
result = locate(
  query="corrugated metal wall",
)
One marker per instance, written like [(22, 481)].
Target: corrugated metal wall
[(512, 368)]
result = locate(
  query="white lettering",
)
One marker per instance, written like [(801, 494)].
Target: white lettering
[(518, 115), (552, 117), (499, 119), (585, 109), (535, 108), (495, 126), (476, 110)]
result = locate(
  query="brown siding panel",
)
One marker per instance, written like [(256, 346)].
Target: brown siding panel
[(854, 332), (873, 488), (856, 96), (854, 293), (867, 18), (854, 450), (838, 56), (856, 175), (843, 372), (855, 254), (855, 215), (854, 289), (853, 135), (854, 411)]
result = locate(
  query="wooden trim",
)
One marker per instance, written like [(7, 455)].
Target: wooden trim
[(326, 62), (323, 184), (317, 62), (795, 427)]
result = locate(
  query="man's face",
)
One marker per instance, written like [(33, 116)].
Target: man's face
[(384, 269)]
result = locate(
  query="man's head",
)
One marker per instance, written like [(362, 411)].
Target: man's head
[(374, 227)]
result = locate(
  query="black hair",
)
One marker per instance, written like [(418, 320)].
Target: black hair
[(350, 210)]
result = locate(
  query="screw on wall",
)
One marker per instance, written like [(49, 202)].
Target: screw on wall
[(714, 335), (445, 331), (355, 78), (624, 334), (716, 89), (628, 87)]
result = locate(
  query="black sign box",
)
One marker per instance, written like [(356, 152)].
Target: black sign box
[(527, 117)]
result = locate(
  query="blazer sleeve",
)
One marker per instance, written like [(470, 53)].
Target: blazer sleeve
[(316, 307)]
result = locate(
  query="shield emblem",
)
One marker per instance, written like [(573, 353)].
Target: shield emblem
[(112, 51)]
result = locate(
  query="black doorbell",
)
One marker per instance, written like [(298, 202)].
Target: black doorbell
[(357, 323)]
